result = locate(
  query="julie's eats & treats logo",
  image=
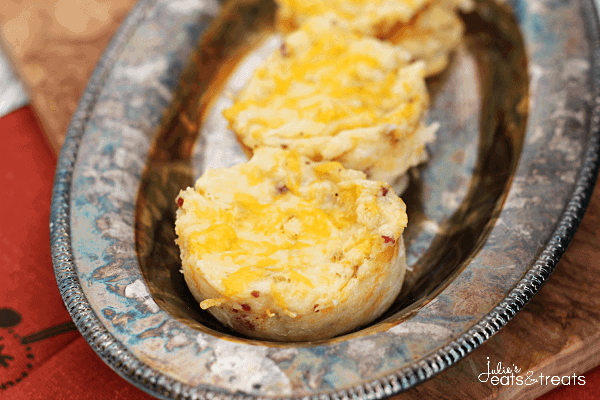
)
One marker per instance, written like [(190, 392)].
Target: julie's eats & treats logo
[(499, 374)]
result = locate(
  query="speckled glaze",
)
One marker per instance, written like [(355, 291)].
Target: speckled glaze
[(508, 183)]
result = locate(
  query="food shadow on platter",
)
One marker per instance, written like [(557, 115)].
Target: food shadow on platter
[(480, 102)]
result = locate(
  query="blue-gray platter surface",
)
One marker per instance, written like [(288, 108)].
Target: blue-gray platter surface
[(490, 214)]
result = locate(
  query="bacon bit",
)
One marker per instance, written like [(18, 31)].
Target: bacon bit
[(179, 201), (234, 310), (284, 50), (284, 146), (315, 308), (255, 293), (384, 191), (246, 307), (388, 239), (282, 189)]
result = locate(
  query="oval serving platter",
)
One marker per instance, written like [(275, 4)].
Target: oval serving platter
[(490, 214)]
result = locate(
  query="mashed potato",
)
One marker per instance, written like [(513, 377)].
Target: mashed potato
[(284, 248), (428, 29), (433, 34), (333, 95), (365, 17)]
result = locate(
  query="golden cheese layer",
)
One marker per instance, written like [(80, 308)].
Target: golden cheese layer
[(332, 95), (284, 230), (365, 17), (433, 34), (428, 29)]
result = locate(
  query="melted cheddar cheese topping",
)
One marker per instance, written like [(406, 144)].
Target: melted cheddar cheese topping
[(433, 34), (284, 226), (367, 17)]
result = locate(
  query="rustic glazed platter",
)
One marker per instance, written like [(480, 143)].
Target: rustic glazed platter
[(490, 214)]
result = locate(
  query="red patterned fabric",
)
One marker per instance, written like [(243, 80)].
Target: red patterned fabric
[(40, 358)]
